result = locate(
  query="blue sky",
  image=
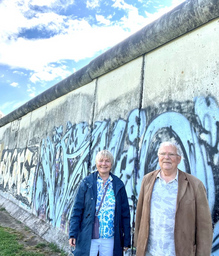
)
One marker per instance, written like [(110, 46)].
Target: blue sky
[(44, 41)]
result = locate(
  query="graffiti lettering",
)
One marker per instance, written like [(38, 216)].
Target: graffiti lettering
[(46, 178)]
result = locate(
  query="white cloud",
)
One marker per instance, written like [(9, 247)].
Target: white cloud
[(19, 73), (102, 20), (31, 91), (92, 4), (14, 84), (16, 17), (49, 21), (161, 11), (11, 20), (52, 3), (177, 2), (49, 73), (133, 22), (72, 39), (80, 41), (43, 2), (121, 4)]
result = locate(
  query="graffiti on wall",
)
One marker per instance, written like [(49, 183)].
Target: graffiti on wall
[(46, 178), (17, 172)]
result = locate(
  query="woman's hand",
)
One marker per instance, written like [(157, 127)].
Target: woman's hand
[(125, 249), (72, 242)]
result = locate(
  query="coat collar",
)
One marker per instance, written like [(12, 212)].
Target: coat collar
[(182, 184), (91, 181)]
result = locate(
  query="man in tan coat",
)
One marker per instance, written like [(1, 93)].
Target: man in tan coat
[(173, 216)]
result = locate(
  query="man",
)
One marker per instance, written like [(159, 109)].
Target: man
[(173, 216)]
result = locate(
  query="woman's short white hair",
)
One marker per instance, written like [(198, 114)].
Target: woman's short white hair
[(173, 144), (105, 153)]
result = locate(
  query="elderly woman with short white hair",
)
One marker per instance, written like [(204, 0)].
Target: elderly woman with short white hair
[(101, 205)]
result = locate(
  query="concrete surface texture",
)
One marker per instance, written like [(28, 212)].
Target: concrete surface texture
[(159, 84)]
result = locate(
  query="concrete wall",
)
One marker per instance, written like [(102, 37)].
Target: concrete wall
[(160, 83)]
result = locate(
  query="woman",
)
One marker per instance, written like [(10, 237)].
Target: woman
[(113, 215)]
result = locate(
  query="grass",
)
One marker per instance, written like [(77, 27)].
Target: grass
[(41, 245), (54, 247), (26, 228), (10, 244)]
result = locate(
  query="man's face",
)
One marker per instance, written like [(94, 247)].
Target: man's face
[(103, 165), (168, 158)]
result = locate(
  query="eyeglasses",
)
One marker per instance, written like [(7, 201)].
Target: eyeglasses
[(171, 155)]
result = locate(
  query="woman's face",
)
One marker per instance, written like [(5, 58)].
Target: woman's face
[(103, 165)]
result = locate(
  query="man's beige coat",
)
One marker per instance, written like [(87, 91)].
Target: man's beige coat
[(193, 224)]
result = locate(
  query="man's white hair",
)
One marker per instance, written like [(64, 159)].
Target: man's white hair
[(173, 144)]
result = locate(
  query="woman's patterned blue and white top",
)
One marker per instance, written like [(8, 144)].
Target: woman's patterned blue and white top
[(107, 210)]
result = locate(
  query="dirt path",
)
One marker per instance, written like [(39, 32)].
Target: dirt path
[(25, 235)]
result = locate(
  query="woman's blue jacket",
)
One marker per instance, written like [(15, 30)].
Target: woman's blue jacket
[(82, 217)]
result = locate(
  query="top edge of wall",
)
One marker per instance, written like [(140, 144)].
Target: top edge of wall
[(184, 18)]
